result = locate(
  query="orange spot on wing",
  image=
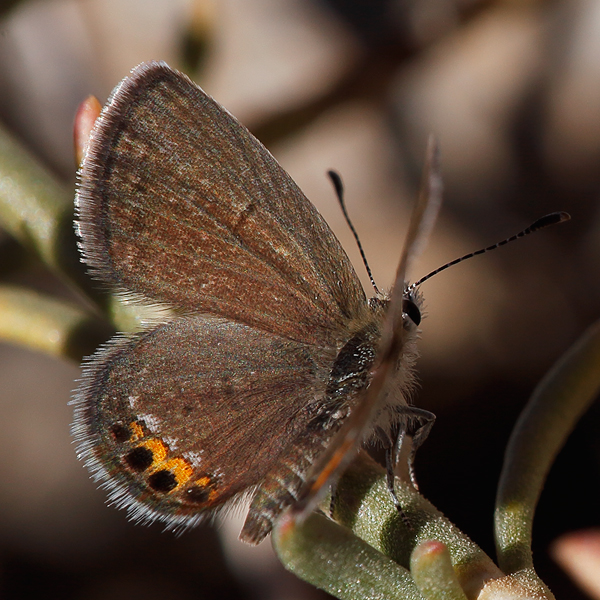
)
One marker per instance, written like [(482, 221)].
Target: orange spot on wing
[(180, 468), (159, 450), (137, 431)]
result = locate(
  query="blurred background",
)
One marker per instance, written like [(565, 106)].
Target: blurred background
[(512, 90)]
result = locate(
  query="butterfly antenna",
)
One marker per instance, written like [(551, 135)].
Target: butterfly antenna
[(546, 221), (339, 191)]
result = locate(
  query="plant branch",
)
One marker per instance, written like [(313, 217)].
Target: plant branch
[(37, 211), (53, 326), (556, 405), (333, 559)]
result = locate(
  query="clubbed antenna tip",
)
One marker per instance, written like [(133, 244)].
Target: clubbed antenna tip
[(339, 191), (545, 221)]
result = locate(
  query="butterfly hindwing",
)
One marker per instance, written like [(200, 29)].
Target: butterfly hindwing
[(180, 419)]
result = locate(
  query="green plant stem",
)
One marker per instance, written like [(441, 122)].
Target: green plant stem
[(432, 571), (331, 558), (363, 504), (52, 326), (524, 585), (37, 210), (556, 405)]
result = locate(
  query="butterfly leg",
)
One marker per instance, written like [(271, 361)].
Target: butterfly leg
[(419, 425), (391, 459), (424, 421), (333, 500), (392, 451)]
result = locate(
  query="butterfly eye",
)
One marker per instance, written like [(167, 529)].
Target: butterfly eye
[(411, 310)]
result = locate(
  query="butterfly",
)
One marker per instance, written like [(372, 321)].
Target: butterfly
[(269, 366)]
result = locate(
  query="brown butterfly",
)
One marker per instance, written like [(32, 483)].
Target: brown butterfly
[(270, 365)]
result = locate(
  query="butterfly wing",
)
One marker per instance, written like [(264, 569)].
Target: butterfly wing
[(178, 420), (180, 204)]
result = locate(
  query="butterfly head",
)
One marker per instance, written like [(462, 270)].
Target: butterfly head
[(412, 306)]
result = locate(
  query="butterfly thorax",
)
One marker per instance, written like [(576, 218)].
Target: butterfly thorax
[(352, 369)]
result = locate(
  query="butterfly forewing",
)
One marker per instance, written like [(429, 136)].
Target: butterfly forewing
[(180, 204)]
